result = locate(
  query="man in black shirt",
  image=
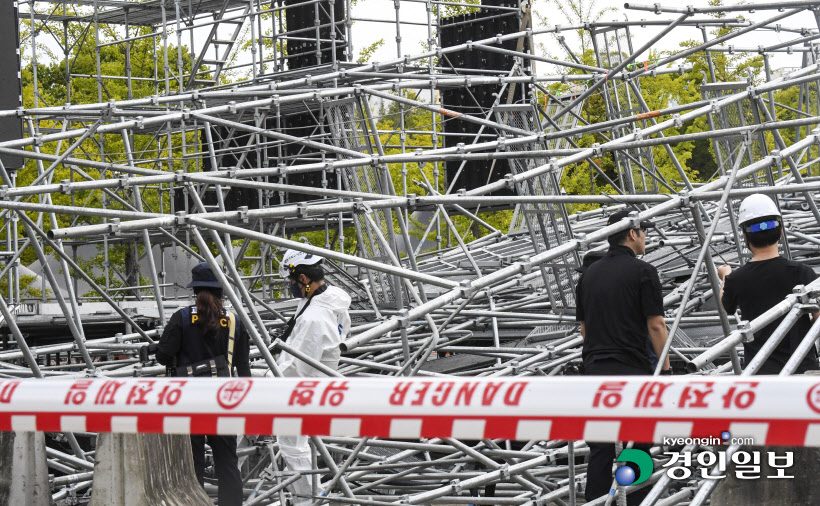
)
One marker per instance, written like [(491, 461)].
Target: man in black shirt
[(764, 282), (620, 309)]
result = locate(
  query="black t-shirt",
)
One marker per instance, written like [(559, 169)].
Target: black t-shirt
[(173, 345), (757, 286), (615, 296)]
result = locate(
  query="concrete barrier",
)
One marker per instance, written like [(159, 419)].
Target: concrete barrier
[(145, 470), (23, 469)]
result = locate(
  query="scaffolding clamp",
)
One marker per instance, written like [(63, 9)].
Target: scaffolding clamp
[(526, 267), (4, 192), (412, 201), (685, 199), (804, 296), (583, 242), (114, 227), (466, 288), (676, 121), (403, 318), (634, 220), (359, 206), (777, 157), (510, 180), (179, 176), (242, 213), (140, 122), (65, 187), (745, 331), (180, 218), (302, 212), (505, 471), (596, 150)]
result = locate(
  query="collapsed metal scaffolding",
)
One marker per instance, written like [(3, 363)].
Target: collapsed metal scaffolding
[(437, 288)]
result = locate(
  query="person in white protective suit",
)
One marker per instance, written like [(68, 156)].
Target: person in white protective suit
[(319, 326)]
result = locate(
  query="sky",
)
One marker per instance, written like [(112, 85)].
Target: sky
[(367, 32), (369, 28)]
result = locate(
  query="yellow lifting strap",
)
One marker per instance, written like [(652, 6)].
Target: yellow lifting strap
[(231, 339)]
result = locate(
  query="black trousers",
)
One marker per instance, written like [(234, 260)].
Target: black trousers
[(226, 468), (602, 455)]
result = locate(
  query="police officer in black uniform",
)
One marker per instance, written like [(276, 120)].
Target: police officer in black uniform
[(620, 309), (205, 340)]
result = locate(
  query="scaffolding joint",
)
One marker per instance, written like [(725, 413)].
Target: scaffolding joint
[(805, 296), (65, 187), (114, 227), (685, 199), (180, 219), (745, 331), (242, 214), (582, 241), (467, 289), (597, 152), (510, 180), (412, 201)]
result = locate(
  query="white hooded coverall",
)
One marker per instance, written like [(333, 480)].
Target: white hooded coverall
[(318, 332)]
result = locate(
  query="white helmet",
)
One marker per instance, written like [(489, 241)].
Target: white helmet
[(756, 206), (294, 258)]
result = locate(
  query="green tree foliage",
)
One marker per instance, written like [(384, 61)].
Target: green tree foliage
[(46, 83)]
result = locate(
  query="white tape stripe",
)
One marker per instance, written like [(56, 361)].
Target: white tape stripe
[(756, 431), (287, 426), (72, 423), (229, 425), (533, 429), (176, 424), (350, 427), (602, 431), (405, 428), (468, 429), (812, 435), (672, 429), (124, 424), (24, 423)]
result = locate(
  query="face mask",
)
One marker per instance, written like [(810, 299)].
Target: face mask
[(296, 290)]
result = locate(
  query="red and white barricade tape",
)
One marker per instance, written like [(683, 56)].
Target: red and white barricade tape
[(771, 411)]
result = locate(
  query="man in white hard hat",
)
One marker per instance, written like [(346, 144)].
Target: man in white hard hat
[(764, 282), (319, 326)]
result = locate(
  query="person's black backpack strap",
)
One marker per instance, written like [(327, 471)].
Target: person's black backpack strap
[(292, 322)]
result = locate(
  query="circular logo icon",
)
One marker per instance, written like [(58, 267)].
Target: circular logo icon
[(233, 392), (625, 475), (813, 398), (725, 435)]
